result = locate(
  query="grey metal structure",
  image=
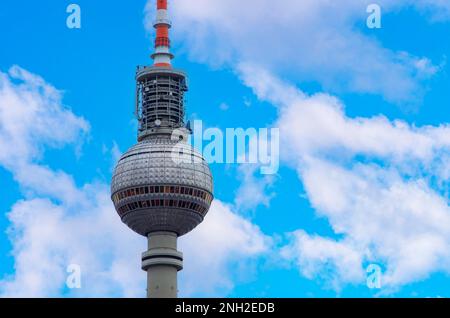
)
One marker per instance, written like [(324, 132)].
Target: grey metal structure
[(160, 99), (162, 188), (156, 189)]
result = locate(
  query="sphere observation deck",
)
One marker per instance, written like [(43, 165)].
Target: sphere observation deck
[(153, 191)]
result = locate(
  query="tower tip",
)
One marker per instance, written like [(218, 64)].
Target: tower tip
[(162, 56)]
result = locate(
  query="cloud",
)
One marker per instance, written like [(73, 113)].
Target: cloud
[(382, 185), (314, 40), (318, 256), (439, 10), (253, 191), (403, 224), (58, 223), (114, 152), (44, 122), (48, 237), (318, 123), (223, 239)]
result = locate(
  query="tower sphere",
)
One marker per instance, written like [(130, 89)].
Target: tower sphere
[(162, 185)]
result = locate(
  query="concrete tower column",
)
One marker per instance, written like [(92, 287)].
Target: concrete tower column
[(162, 262)]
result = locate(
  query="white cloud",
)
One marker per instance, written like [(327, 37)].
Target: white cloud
[(59, 223), (403, 224), (381, 184), (318, 124), (114, 152), (253, 190), (439, 10), (223, 239), (47, 237), (44, 122), (318, 256), (313, 40)]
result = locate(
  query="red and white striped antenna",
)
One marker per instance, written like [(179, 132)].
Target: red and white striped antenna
[(162, 56)]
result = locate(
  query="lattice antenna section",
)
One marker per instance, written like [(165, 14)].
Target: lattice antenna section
[(160, 98)]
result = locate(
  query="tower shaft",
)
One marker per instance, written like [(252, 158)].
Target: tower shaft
[(162, 262)]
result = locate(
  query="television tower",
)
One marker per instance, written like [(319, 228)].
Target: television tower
[(162, 188)]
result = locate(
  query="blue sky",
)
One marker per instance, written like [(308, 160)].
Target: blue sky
[(365, 145)]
